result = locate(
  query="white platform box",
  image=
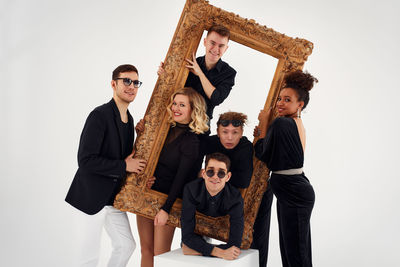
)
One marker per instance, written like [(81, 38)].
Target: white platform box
[(176, 258)]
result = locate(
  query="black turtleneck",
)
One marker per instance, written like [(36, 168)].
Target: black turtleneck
[(175, 163)]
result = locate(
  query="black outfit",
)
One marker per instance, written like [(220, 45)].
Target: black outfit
[(222, 77), (175, 164), (261, 227), (104, 144), (228, 201), (281, 149), (241, 157)]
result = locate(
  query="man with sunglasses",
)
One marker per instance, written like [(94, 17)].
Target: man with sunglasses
[(231, 142), (105, 156), (212, 196)]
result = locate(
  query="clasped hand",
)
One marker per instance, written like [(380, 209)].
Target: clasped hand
[(135, 165)]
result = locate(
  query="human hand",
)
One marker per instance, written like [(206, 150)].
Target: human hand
[(139, 127), (261, 130), (193, 66), (161, 217), (231, 253), (256, 132), (264, 115), (150, 181), (161, 70), (134, 164)]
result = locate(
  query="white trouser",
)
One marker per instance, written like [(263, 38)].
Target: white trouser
[(117, 225)]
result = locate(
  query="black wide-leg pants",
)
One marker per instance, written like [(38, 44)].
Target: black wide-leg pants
[(261, 227), (295, 201)]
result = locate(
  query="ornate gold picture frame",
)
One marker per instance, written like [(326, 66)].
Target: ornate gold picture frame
[(197, 16)]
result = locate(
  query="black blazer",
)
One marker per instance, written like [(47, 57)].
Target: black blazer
[(101, 162)]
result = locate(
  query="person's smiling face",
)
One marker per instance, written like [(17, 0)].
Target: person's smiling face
[(215, 176), (123, 92), (216, 46), (181, 110), (288, 103)]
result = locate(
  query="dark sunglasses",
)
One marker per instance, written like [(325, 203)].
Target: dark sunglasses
[(128, 82), (221, 174), (235, 123)]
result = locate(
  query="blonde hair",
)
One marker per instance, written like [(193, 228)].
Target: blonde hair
[(199, 119)]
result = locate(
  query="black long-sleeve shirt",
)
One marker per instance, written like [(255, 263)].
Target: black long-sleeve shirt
[(281, 149), (125, 132), (222, 77), (228, 201), (175, 164), (241, 157)]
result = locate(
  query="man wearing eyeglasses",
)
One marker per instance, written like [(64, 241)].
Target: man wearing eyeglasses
[(209, 75), (212, 196), (105, 156), (231, 142)]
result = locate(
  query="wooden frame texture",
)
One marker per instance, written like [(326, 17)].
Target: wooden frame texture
[(197, 16)]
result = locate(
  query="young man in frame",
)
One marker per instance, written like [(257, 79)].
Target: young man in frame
[(212, 196), (209, 75), (230, 141)]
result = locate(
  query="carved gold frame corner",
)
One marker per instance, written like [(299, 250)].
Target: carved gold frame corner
[(197, 16)]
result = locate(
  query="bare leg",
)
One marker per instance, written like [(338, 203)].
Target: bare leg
[(146, 234), (163, 238)]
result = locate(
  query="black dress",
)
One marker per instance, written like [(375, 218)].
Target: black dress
[(175, 164), (281, 149)]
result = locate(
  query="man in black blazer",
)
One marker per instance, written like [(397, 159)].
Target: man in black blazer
[(105, 156)]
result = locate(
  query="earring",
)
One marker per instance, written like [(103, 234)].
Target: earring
[(298, 113)]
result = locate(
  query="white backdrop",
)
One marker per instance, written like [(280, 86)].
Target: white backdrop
[(56, 60)]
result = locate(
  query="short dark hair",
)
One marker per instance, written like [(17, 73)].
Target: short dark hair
[(301, 82), (124, 68), (221, 30), (219, 157)]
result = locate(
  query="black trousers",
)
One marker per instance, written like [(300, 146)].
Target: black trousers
[(295, 201), (261, 227)]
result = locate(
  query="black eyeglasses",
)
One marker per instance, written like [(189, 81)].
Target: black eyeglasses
[(221, 174), (128, 82), (235, 123)]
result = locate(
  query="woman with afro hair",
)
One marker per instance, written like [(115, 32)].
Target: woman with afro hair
[(282, 150)]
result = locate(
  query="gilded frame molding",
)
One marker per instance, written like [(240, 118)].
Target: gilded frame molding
[(197, 16)]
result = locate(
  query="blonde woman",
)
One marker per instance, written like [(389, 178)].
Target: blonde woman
[(187, 112)]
